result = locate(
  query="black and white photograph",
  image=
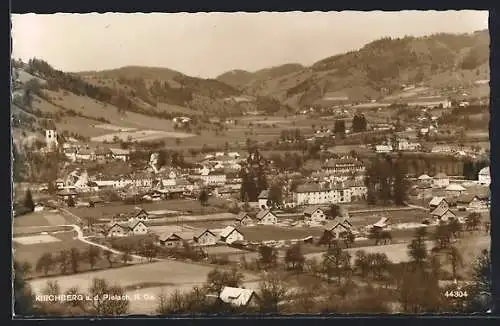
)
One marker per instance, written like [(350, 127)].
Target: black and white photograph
[(250, 163)]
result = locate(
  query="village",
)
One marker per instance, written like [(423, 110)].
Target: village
[(358, 183)]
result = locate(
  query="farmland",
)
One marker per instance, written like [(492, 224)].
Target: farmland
[(165, 275), (46, 218), (107, 211)]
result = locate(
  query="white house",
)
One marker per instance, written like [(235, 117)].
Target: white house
[(263, 198), (120, 154), (171, 240), (238, 297), (440, 181), (320, 194), (266, 217), (230, 234), (214, 178), (484, 177), (383, 148), (134, 227), (314, 213), (206, 238), (244, 219), (443, 214)]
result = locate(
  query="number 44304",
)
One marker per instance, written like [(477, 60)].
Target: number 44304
[(455, 294)]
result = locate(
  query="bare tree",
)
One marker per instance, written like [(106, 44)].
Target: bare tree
[(45, 263), (93, 255), (272, 292), (74, 259), (101, 305)]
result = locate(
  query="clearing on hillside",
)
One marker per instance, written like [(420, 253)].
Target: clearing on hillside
[(36, 239)]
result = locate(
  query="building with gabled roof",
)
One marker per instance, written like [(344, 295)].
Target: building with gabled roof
[(171, 240), (230, 234), (443, 214), (243, 218), (314, 213), (206, 238), (238, 297), (265, 216)]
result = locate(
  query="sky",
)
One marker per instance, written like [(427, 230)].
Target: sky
[(208, 44)]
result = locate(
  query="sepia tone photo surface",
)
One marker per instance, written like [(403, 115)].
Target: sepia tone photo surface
[(298, 162)]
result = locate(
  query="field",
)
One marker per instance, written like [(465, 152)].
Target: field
[(140, 135), (267, 232), (144, 279), (44, 218), (470, 247), (107, 211)]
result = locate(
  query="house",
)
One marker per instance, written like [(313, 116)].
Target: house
[(66, 194), (472, 202), (214, 178), (405, 145), (265, 216), (442, 149), (120, 154), (443, 214), (335, 228), (137, 227), (131, 227), (383, 148), (230, 234), (440, 181), (424, 181), (263, 198), (314, 213), (142, 215), (328, 193), (39, 207), (102, 154), (438, 202), (345, 165), (455, 189), (239, 297), (171, 240), (484, 177), (116, 230), (243, 218), (206, 238)]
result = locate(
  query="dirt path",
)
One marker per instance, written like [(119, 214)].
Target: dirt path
[(81, 237)]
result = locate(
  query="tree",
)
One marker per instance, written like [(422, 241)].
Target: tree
[(339, 127), (71, 202), (361, 262), (375, 234), (294, 258), (417, 249), (455, 259), (336, 262), (74, 257), (480, 292), (109, 257), (26, 268), (472, 221), (379, 264), (203, 197), (275, 195), (217, 279), (45, 263), (93, 255), (333, 211), (102, 306), (267, 255), (29, 204), (272, 291), (64, 261), (348, 238), (401, 186), (148, 249), (23, 295), (442, 236), (126, 257)]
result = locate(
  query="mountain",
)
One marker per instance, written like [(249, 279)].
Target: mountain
[(378, 69), (242, 79)]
